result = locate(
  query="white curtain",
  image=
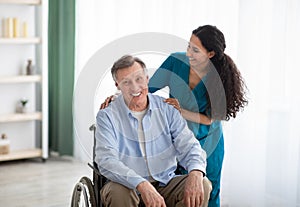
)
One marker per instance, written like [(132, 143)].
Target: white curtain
[(262, 145)]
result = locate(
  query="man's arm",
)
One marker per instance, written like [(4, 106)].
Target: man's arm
[(189, 152), (192, 157), (107, 155)]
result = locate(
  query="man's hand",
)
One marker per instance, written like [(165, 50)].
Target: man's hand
[(150, 195), (194, 191)]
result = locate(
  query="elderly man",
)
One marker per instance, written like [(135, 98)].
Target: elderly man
[(139, 141)]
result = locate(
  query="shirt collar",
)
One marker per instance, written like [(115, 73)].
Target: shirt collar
[(128, 111)]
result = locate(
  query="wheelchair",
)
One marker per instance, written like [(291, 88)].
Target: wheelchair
[(86, 192)]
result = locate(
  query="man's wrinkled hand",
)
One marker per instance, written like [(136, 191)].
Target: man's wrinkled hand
[(150, 196), (194, 191)]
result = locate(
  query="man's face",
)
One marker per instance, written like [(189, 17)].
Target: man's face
[(133, 83)]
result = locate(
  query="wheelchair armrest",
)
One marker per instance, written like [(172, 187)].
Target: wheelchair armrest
[(92, 127), (95, 169)]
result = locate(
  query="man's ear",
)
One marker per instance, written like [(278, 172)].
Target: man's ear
[(117, 85)]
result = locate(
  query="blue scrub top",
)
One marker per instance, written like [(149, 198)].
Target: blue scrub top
[(174, 73)]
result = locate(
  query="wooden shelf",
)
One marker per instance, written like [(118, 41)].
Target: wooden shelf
[(21, 154), (18, 117), (20, 40), (21, 79), (29, 2)]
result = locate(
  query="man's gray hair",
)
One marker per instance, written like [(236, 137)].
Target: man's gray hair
[(125, 62)]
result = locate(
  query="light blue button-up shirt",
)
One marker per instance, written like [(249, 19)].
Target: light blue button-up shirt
[(167, 141)]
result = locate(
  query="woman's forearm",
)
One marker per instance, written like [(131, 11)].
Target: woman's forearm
[(196, 117)]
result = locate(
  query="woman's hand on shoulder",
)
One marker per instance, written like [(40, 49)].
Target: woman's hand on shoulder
[(174, 102), (107, 101)]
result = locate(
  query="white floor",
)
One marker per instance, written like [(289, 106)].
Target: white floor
[(33, 183)]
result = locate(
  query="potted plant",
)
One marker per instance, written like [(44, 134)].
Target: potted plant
[(22, 106)]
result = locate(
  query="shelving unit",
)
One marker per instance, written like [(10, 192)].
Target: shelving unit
[(17, 117), (30, 2), (28, 40), (21, 79), (27, 132), (22, 154)]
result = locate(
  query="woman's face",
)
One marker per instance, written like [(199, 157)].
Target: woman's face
[(198, 55)]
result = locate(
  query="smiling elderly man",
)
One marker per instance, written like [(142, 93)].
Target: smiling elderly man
[(139, 141)]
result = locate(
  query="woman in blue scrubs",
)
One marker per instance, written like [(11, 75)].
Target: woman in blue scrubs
[(206, 86)]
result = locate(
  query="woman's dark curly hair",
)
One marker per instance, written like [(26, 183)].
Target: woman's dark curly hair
[(231, 93)]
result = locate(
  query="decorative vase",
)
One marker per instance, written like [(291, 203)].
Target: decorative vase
[(4, 144), (29, 67)]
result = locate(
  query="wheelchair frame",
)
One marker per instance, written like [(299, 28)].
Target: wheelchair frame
[(87, 192)]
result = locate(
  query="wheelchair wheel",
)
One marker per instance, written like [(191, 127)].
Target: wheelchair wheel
[(83, 194)]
